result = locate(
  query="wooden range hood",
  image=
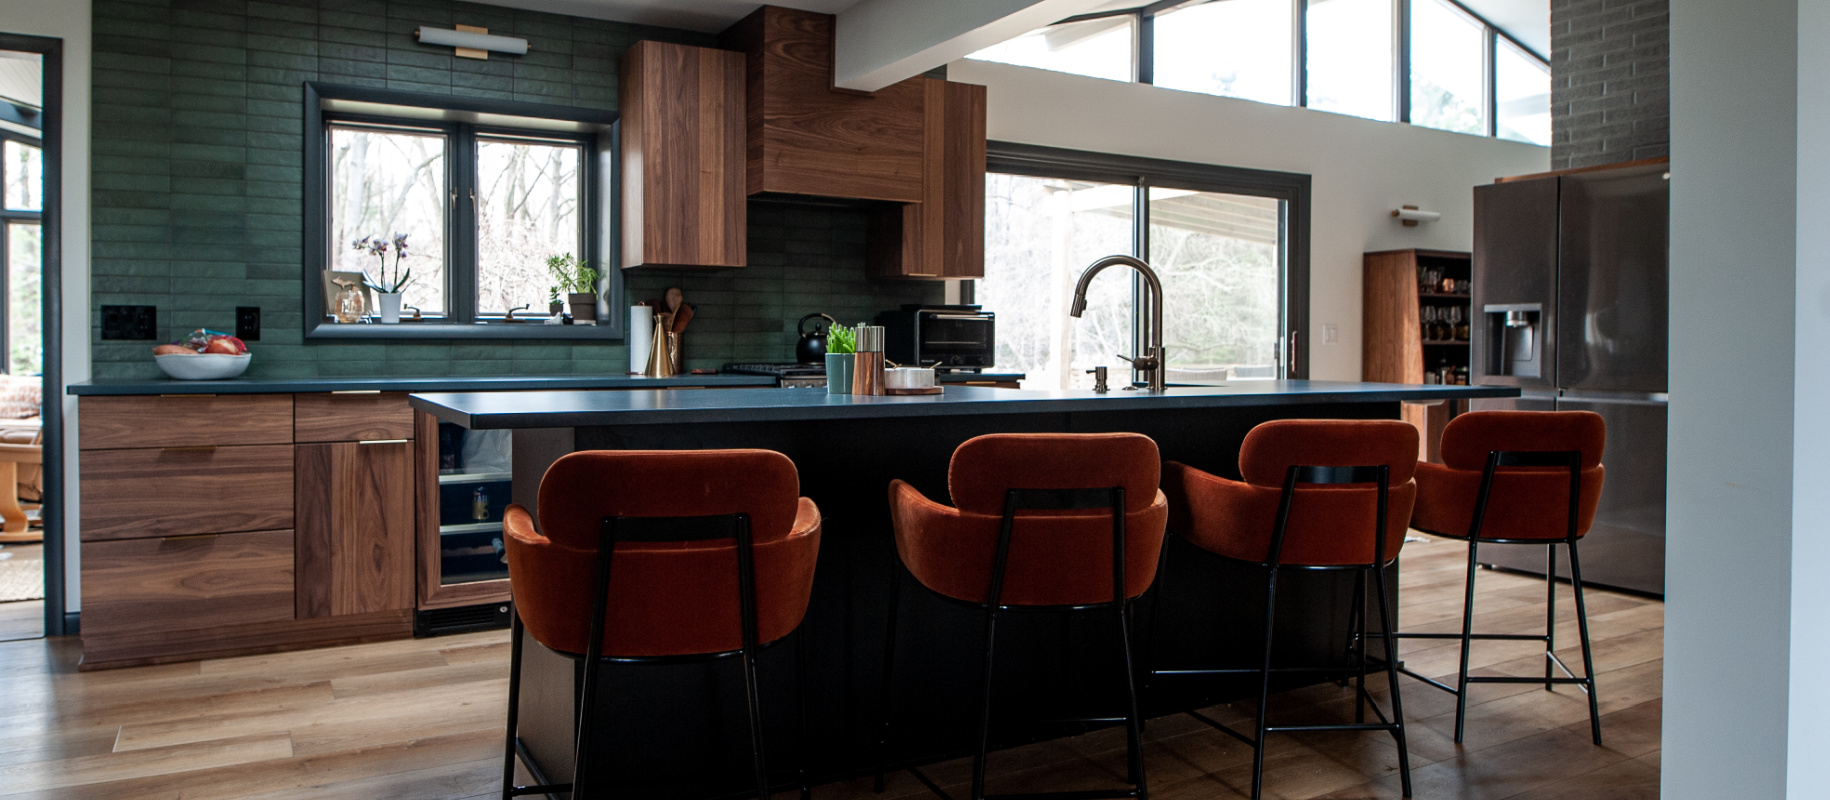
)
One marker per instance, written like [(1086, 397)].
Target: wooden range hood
[(917, 147)]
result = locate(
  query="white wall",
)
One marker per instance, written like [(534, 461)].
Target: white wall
[(1361, 169), (68, 20)]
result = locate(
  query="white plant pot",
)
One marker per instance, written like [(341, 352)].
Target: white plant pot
[(390, 307)]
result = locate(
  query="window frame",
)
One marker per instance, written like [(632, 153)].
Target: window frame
[(1144, 173), (8, 217), (464, 120)]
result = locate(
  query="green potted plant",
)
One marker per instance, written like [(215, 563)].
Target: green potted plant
[(580, 281), (388, 286), (553, 306), (841, 354)]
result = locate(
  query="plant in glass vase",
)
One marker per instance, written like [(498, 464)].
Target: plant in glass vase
[(580, 282), (387, 285)]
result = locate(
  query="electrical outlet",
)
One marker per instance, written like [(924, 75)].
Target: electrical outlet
[(248, 323), (1331, 333), (130, 323)]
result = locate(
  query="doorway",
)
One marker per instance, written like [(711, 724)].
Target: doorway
[(31, 555)]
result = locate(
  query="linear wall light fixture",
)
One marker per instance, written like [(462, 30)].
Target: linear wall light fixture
[(471, 41), (1409, 216)]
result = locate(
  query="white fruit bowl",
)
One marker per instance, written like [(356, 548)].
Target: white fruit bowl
[(204, 366)]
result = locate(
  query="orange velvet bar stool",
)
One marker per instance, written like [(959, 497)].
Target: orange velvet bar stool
[(1317, 495), (1516, 477), (1062, 522), (651, 557)]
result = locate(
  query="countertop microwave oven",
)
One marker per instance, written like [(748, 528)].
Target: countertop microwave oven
[(949, 338)]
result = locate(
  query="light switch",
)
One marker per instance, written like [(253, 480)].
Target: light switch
[(1331, 333)]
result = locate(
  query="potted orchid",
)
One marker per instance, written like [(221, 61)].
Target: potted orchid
[(388, 286)]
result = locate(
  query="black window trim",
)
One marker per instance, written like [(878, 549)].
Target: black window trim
[(599, 210), (1291, 187)]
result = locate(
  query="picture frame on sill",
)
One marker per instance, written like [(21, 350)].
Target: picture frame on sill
[(332, 291)]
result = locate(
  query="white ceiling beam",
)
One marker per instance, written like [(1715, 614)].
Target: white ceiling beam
[(880, 42)]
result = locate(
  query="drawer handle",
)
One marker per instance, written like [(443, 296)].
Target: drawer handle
[(187, 395), (189, 536), (384, 441), (356, 391), (201, 448)]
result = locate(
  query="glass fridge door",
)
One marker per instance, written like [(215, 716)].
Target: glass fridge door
[(473, 493)]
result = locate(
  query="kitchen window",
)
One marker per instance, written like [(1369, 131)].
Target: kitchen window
[(484, 191), (1432, 63), (21, 253), (1229, 245)]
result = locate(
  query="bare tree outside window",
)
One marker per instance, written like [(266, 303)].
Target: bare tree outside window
[(1039, 234), (527, 210), (1217, 255), (24, 332), (385, 182)]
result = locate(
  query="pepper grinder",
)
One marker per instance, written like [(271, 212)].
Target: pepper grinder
[(867, 373)]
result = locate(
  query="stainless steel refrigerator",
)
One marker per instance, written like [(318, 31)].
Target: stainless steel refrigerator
[(1571, 289)]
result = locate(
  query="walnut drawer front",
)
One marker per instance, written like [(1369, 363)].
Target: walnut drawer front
[(351, 416), (144, 493), (192, 420), (187, 583)]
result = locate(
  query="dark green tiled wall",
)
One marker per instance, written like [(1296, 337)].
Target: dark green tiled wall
[(197, 182)]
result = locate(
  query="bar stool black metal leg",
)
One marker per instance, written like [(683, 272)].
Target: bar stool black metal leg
[(514, 704), (753, 694), (889, 662), (984, 743), (1147, 653), (1361, 633), (1391, 676), (1550, 613), (1264, 686), (1134, 718), (1467, 639), (800, 695), (1582, 628)]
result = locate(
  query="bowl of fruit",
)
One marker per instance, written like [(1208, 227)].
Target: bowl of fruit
[(205, 355)]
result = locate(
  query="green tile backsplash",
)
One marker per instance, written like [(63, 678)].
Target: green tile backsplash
[(197, 189)]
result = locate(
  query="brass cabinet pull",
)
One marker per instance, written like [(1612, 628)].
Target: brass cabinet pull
[(356, 391), (187, 395), (189, 536), (384, 441), (200, 448)]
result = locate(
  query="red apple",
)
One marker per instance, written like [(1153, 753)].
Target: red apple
[(227, 345)]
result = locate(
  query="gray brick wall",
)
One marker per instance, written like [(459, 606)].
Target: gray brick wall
[(197, 186), (1610, 81)]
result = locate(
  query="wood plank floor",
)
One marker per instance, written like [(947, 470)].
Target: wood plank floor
[(422, 719)]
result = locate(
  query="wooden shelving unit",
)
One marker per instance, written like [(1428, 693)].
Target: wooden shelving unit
[(1394, 346)]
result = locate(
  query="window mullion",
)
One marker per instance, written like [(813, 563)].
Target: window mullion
[(1145, 68), (1299, 28), (1401, 47), (462, 230), (1490, 79)]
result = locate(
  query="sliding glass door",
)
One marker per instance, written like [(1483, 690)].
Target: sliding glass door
[(1226, 243)]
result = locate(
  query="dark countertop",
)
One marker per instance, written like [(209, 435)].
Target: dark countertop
[(136, 386), (568, 409), (442, 384)]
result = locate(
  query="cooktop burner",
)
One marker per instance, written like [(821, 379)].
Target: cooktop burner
[(777, 370)]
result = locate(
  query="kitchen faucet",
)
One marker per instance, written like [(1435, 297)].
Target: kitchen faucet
[(1150, 362)]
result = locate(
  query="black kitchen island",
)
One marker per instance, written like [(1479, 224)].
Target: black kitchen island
[(679, 730)]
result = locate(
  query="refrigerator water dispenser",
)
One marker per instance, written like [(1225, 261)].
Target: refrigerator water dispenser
[(1514, 332)]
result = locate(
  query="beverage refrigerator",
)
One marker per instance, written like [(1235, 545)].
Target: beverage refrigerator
[(1571, 305)]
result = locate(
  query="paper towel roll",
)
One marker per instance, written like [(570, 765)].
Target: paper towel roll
[(640, 338)]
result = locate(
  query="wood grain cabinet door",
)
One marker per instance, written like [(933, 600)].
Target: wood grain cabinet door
[(178, 491), (684, 202), (354, 512), (351, 416), (186, 582)]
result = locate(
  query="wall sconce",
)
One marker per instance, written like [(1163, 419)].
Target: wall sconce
[(1409, 216), (471, 41)]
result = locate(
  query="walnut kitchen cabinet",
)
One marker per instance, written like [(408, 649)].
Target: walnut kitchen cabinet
[(1392, 345), (943, 236), (683, 161), (354, 527)]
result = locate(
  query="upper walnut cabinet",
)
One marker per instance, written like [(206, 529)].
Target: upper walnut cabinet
[(943, 236), (683, 156)]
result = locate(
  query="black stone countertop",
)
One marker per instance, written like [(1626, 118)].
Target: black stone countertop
[(567, 409), (135, 386)]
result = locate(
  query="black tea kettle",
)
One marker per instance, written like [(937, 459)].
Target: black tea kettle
[(811, 349)]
